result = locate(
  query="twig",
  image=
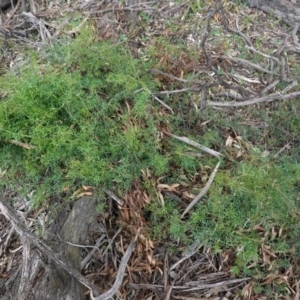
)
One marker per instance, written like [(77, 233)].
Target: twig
[(89, 3), (187, 287), (271, 68), (23, 145), (282, 69), (294, 35), (246, 39), (201, 286), (89, 256), (120, 275), (248, 42), (263, 54), (213, 174), (113, 196), (281, 150), (195, 144), (8, 238), (155, 71), (269, 87), (246, 62), (231, 94), (246, 79), (153, 286), (289, 87), (190, 251), (178, 6), (283, 46), (163, 104), (269, 98), (203, 191), (132, 8), (177, 91), (12, 13), (112, 240)]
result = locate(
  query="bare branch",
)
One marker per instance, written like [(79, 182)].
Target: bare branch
[(119, 279), (268, 98), (203, 191), (247, 63), (194, 144)]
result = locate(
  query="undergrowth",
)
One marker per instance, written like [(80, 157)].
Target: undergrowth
[(88, 117), (87, 113)]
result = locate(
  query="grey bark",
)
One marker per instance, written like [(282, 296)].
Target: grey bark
[(73, 228), (55, 283)]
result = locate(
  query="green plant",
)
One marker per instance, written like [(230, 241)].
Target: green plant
[(85, 116)]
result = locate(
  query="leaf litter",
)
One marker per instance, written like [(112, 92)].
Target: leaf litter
[(153, 271)]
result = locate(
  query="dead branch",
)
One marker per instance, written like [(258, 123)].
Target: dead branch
[(155, 71), (163, 104), (268, 98), (203, 191), (270, 87), (194, 144), (247, 63), (113, 196), (90, 255), (120, 275), (12, 13), (213, 174), (198, 285), (294, 35)]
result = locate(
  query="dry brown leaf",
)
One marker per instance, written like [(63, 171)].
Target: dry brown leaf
[(84, 194), (162, 200), (247, 291), (169, 188), (151, 244), (159, 270), (87, 187), (204, 177), (188, 195), (292, 250), (254, 264), (269, 279), (239, 153), (76, 192), (66, 188), (151, 259), (229, 141)]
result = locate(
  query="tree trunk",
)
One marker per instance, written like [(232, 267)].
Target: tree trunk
[(58, 284), (42, 278)]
